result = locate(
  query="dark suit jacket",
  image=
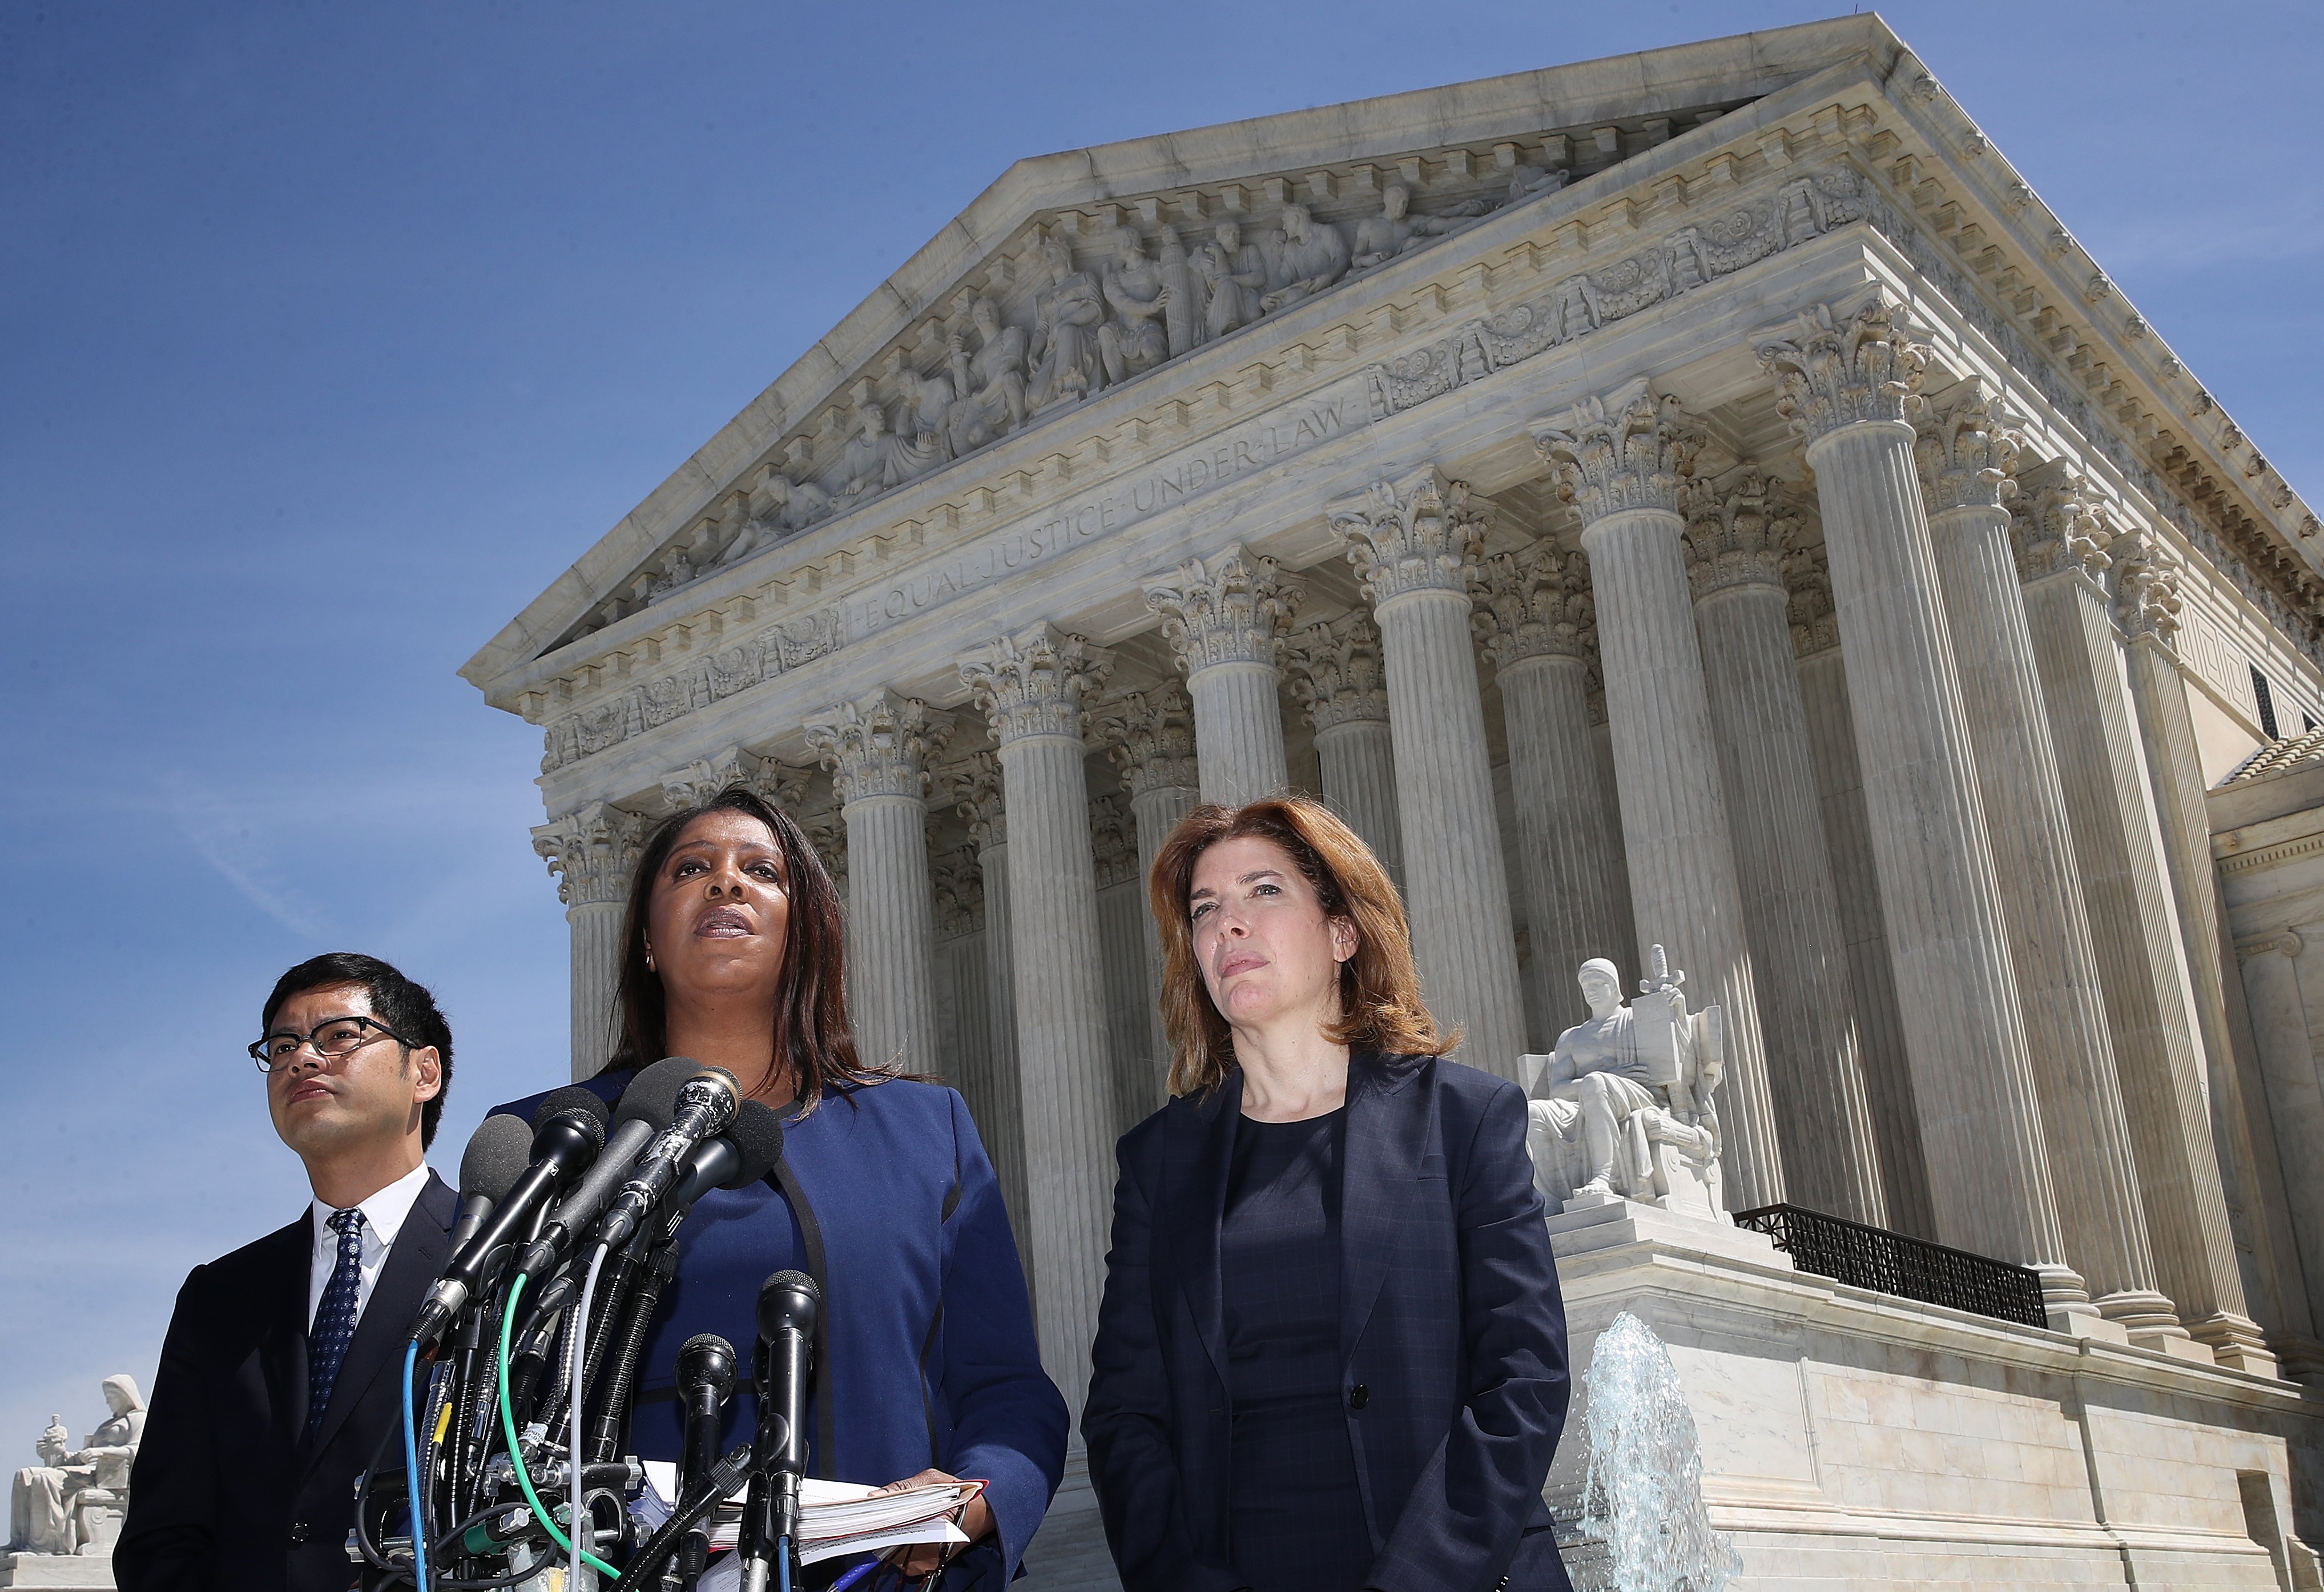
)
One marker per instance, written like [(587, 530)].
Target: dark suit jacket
[(226, 1497), (1452, 1329)]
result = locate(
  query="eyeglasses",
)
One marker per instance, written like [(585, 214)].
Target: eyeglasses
[(332, 1040)]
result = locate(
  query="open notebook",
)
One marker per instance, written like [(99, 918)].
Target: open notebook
[(835, 1518)]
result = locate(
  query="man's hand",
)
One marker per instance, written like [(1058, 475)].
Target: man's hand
[(918, 1558)]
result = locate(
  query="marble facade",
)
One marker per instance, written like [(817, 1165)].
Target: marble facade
[(1705, 500)]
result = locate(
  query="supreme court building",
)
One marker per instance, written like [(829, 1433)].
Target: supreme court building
[(1703, 499)]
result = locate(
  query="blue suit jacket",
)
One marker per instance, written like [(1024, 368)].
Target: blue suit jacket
[(1452, 1330), (927, 1355)]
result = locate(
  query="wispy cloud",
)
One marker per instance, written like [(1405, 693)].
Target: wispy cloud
[(226, 834)]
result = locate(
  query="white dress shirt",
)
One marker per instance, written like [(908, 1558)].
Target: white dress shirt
[(383, 1215)]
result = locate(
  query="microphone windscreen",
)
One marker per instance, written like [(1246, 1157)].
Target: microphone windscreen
[(495, 1158), (652, 1094), (757, 1133), (572, 1098), (789, 1299)]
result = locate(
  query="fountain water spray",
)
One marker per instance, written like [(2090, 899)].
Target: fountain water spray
[(1643, 1497)]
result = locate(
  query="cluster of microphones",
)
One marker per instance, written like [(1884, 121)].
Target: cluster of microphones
[(529, 1343)]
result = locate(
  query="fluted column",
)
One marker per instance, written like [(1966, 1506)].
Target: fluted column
[(1535, 619), (997, 1098), (1736, 534), (875, 748), (1337, 675), (1413, 543), (1031, 686), (1151, 738), (592, 852), (1844, 382), (1621, 459), (1224, 617), (2119, 852), (1847, 841), (1963, 456)]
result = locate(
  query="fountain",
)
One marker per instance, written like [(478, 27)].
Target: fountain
[(1642, 1501)]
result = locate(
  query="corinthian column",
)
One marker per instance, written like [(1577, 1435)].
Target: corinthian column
[(995, 1099), (1338, 677), (1964, 457), (1413, 542), (1855, 885), (1535, 619), (1844, 384), (1736, 534), (1031, 686), (1620, 460), (1224, 616), (591, 851), (1151, 738), (876, 749), (2150, 1002)]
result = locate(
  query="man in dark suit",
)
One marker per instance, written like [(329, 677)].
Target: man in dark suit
[(278, 1382)]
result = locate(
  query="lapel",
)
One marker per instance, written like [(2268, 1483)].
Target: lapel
[(421, 1247), (283, 1341), (1391, 1121), (1197, 1153)]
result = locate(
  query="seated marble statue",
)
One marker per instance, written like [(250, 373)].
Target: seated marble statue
[(990, 381), (72, 1502), (1622, 1108), (1233, 274), (1136, 339)]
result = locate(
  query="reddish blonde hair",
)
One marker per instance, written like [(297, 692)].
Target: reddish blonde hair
[(1381, 1008)]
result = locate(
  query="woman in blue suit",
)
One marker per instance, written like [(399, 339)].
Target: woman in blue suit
[(1331, 1355), (926, 1365)]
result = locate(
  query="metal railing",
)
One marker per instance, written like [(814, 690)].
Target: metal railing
[(1891, 1263)]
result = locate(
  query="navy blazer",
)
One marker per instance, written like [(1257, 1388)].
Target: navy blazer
[(1451, 1325), (927, 1355), (226, 1495)]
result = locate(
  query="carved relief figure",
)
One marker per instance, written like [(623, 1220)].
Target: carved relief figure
[(1068, 314), (779, 507), (990, 381), (1623, 1105), (1134, 340), (1303, 258), (1234, 274), (1382, 237), (1186, 304), (927, 400), (1525, 181), (878, 458)]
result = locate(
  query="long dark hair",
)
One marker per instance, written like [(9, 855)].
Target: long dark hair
[(811, 1029)]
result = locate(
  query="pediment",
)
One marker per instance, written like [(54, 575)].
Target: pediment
[(1076, 271)]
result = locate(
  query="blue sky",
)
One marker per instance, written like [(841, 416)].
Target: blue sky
[(333, 333)]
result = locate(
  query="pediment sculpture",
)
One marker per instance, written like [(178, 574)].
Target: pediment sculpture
[(73, 1501), (1623, 1108)]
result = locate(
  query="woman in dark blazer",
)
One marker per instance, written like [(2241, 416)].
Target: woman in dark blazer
[(926, 1364), (1331, 1355)]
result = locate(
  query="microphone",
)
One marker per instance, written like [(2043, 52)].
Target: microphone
[(705, 1380), (563, 1146), (646, 1108), (494, 1160), (706, 1105), (736, 1159), (789, 1304)]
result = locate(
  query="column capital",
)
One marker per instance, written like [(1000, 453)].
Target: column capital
[(1738, 529), (2055, 523), (1842, 366), (1816, 627), (1034, 681), (1415, 533), (826, 836), (2146, 575), (1629, 449), (956, 881), (1535, 603), (777, 784), (1230, 608), (591, 852), (974, 785), (1113, 839), (1149, 735), (1965, 448), (877, 744), (1336, 672)]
